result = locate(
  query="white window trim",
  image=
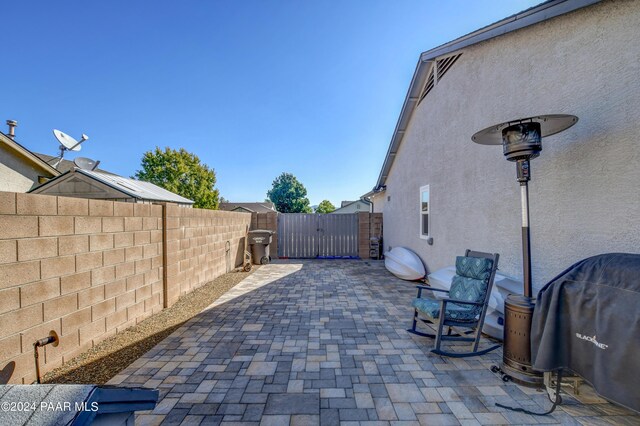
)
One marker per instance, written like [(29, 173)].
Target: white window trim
[(424, 237)]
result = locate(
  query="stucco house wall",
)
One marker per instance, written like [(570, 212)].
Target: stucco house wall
[(17, 172), (585, 188), (378, 200)]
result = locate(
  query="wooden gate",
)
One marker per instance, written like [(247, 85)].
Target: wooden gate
[(309, 236)]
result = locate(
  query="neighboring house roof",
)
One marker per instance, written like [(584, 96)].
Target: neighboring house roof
[(264, 207), (242, 209), (30, 156), (130, 187), (348, 203), (64, 165), (534, 15)]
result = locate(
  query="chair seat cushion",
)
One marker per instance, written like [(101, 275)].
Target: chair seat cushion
[(431, 309)]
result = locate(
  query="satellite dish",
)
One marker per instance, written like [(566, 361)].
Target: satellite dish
[(67, 143), (85, 163)]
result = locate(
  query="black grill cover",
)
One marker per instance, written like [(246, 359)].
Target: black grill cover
[(587, 319)]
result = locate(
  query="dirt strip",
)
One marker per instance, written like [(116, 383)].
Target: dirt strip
[(99, 364)]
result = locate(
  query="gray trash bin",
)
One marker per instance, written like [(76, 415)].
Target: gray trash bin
[(259, 239)]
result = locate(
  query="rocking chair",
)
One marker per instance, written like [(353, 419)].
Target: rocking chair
[(465, 307)]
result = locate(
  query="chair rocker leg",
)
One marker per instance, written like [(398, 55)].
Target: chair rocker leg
[(414, 330), (438, 351), (439, 336), (420, 333)]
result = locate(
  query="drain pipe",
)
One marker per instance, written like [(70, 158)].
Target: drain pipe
[(51, 338)]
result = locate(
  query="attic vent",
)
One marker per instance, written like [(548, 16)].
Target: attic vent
[(431, 81), (437, 71)]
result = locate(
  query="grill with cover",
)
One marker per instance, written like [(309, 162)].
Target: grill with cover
[(587, 319)]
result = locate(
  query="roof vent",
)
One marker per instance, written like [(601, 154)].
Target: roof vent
[(12, 128), (437, 71)]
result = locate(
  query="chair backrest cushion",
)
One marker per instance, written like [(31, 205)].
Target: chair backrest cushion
[(470, 283), (478, 268)]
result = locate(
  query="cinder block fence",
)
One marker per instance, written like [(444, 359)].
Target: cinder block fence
[(89, 268)]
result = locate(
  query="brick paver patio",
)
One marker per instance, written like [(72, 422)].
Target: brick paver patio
[(324, 342)]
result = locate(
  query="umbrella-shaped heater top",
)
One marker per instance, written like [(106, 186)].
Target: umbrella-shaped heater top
[(521, 138)]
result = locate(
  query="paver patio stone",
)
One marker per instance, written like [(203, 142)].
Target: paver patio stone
[(292, 404), (259, 368), (325, 342), (408, 392), (277, 420)]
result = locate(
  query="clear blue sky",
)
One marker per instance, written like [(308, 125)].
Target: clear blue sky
[(254, 88)]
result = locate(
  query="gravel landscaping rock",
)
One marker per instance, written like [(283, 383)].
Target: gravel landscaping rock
[(99, 364)]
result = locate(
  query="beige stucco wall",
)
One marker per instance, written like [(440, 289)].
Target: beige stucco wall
[(378, 201), (585, 188), (17, 174)]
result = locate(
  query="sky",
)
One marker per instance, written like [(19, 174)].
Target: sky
[(253, 88)]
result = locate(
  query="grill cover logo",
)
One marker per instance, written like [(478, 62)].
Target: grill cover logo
[(592, 340)]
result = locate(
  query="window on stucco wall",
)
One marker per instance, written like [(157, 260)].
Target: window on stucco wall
[(424, 211)]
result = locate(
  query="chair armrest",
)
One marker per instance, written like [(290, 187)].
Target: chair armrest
[(426, 287), (438, 289)]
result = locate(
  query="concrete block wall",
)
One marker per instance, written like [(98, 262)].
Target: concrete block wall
[(375, 225), (200, 246), (369, 226), (267, 221), (82, 268)]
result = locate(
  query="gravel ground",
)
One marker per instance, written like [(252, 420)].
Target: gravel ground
[(99, 364)]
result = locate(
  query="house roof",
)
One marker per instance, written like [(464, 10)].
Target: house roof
[(534, 15), (348, 203), (24, 152), (263, 207), (64, 165), (130, 187)]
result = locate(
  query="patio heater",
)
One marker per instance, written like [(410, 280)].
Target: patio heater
[(521, 141)]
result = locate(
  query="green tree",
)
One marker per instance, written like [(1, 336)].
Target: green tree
[(180, 172), (289, 195), (325, 206)]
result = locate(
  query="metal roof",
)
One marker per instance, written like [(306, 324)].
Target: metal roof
[(135, 188), (65, 165), (129, 187), (534, 15)]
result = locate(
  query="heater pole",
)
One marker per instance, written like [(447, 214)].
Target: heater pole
[(524, 176), (526, 244)]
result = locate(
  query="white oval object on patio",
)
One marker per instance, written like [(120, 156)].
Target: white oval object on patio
[(404, 264)]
